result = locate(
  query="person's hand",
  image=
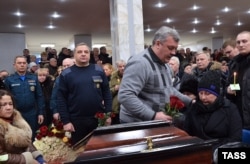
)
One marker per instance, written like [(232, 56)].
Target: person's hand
[(229, 91), (40, 119), (108, 121), (162, 116), (116, 87), (56, 116), (69, 127), (99, 62), (35, 162)]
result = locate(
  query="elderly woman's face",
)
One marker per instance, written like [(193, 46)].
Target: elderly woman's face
[(207, 98)]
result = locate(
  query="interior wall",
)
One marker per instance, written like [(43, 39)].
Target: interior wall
[(11, 45)]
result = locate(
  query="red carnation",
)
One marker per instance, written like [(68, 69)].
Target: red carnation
[(43, 129), (112, 114), (59, 126), (176, 103), (172, 108)]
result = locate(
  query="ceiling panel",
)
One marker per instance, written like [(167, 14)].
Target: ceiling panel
[(93, 17)]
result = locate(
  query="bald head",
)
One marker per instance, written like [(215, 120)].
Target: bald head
[(68, 62)]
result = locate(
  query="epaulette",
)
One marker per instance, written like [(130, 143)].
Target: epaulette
[(98, 68)]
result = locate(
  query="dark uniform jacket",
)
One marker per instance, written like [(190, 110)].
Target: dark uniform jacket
[(27, 93)]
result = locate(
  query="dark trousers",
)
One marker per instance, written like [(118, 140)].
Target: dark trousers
[(83, 126), (116, 119), (32, 120)]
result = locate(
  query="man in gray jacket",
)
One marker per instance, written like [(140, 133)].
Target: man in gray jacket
[(147, 81)]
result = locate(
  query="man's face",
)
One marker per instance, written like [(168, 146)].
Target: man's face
[(243, 43), (65, 51), (21, 65), (230, 52), (166, 49), (67, 63), (202, 61), (53, 62), (96, 51), (121, 67), (174, 65), (26, 52), (53, 51), (82, 55)]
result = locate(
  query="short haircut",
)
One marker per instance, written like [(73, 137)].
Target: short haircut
[(202, 52), (229, 42), (164, 32), (120, 62), (81, 44), (19, 56), (176, 59)]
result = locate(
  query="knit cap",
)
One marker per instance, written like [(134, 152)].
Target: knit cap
[(210, 82), (189, 84)]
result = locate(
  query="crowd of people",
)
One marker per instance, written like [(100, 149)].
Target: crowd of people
[(73, 86)]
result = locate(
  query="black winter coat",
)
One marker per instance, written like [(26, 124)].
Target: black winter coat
[(220, 120), (241, 65)]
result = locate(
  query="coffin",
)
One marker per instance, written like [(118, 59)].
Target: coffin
[(144, 142)]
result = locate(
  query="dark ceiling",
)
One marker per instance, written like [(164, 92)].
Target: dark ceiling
[(93, 17)]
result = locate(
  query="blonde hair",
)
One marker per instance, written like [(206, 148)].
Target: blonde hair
[(42, 71), (109, 66)]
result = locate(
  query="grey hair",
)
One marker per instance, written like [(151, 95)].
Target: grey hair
[(165, 32), (176, 59), (202, 52), (81, 44), (120, 62)]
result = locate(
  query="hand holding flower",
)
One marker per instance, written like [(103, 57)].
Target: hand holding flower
[(172, 108), (104, 118), (108, 121), (162, 116), (69, 127)]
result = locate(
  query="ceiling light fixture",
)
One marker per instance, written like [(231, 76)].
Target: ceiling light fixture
[(194, 30), (18, 13), (248, 11), (160, 5), (239, 23), (196, 21), (212, 30), (19, 25), (168, 20), (148, 29), (218, 22), (51, 26), (44, 45), (55, 15), (226, 9), (195, 7)]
